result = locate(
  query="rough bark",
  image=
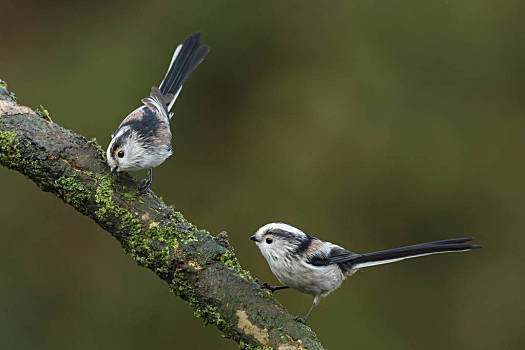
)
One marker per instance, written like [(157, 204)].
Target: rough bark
[(198, 267)]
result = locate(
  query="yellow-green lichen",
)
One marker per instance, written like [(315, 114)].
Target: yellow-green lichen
[(181, 287), (245, 346), (210, 315), (10, 155), (7, 146), (99, 148), (3, 85), (108, 210), (230, 261), (162, 234), (185, 229), (155, 249), (73, 192), (186, 236), (152, 249), (131, 195)]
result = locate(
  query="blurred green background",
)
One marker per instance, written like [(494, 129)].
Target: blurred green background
[(371, 124)]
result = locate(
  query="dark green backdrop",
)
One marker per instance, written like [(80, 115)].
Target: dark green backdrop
[(371, 124)]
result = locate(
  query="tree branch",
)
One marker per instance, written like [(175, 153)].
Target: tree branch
[(198, 267)]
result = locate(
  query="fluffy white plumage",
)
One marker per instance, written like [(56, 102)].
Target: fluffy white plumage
[(316, 267), (143, 139)]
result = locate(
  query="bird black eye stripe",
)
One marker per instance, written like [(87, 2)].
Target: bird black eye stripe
[(145, 133), (317, 267)]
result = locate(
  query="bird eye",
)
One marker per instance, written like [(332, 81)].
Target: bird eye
[(269, 240), (120, 154)]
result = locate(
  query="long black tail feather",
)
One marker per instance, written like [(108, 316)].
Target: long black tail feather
[(391, 255), (187, 59)]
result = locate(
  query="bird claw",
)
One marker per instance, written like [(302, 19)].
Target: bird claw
[(145, 184), (267, 286), (144, 188), (300, 319), (273, 288)]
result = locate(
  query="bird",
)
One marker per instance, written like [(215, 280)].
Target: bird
[(312, 266), (142, 141)]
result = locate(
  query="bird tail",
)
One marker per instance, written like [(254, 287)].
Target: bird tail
[(397, 254), (186, 58)]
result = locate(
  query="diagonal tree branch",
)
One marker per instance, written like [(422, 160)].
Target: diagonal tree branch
[(198, 267)]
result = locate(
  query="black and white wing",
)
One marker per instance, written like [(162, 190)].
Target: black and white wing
[(349, 260)]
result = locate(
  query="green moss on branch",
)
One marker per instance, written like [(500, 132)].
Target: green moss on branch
[(201, 269)]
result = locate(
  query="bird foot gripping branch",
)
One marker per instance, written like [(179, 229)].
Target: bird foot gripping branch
[(143, 139), (316, 267), (198, 267)]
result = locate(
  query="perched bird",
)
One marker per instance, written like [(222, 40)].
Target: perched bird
[(143, 139), (316, 267)]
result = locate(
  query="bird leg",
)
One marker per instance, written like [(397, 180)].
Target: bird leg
[(146, 183), (273, 288), (303, 319)]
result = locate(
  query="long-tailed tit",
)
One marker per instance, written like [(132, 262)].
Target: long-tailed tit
[(143, 139), (315, 267)]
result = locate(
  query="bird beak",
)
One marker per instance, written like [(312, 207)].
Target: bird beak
[(253, 238), (113, 169)]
